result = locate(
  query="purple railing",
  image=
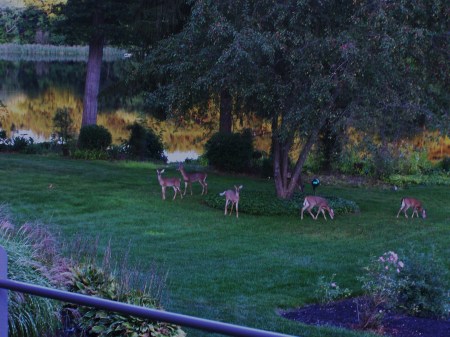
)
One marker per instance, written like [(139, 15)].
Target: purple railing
[(90, 301)]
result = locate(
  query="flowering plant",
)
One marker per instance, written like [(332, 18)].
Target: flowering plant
[(329, 291), (381, 286)]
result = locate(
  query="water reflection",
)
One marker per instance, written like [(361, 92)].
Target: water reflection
[(33, 91)]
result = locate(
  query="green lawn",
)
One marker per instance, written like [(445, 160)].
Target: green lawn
[(233, 270)]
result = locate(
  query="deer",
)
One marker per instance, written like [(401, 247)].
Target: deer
[(312, 201), (169, 182), (415, 204), (190, 178), (233, 197)]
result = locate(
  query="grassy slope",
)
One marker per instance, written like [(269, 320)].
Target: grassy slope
[(234, 270)]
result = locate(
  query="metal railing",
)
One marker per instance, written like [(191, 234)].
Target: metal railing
[(127, 309)]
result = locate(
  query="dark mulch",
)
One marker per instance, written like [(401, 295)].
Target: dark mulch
[(344, 314)]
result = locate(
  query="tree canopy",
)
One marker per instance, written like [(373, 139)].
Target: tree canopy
[(307, 65)]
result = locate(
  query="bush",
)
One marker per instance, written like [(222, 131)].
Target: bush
[(424, 291), (381, 286), (90, 154), (265, 203), (94, 137), (230, 151), (419, 179), (31, 258), (93, 281), (328, 290), (144, 144)]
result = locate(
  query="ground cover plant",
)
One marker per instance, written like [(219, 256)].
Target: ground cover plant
[(240, 271)]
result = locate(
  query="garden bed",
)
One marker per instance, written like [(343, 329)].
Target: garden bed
[(344, 314)]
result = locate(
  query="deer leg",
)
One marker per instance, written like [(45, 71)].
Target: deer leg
[(405, 209), (206, 187), (237, 211), (190, 186), (232, 205), (163, 190), (401, 208), (226, 206), (311, 213), (185, 187), (416, 212), (175, 193), (179, 190)]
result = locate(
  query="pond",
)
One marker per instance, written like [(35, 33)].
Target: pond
[(32, 91)]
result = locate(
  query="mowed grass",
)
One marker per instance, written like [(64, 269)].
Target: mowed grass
[(239, 271)]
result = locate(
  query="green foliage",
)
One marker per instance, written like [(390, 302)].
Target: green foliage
[(444, 164), (144, 144), (381, 286), (63, 124), (90, 154), (328, 291), (419, 179), (30, 259), (94, 137), (266, 203), (230, 151), (424, 289), (93, 281)]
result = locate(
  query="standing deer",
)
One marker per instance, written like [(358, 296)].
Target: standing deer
[(169, 182), (233, 197), (415, 204), (312, 201), (190, 178)]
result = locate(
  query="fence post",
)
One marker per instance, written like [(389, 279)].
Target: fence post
[(3, 294)]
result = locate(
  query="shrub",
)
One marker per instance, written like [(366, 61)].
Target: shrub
[(419, 179), (94, 137), (230, 151), (381, 286), (265, 203), (63, 125), (93, 281), (31, 258), (424, 290), (90, 154), (444, 164), (144, 143), (328, 291)]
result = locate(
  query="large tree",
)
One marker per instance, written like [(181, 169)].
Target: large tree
[(115, 22), (306, 66)]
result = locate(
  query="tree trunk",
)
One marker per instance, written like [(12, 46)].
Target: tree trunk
[(92, 84), (284, 186), (226, 107)]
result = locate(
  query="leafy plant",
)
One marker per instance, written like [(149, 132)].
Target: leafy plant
[(328, 291), (381, 286), (230, 151), (63, 124), (266, 203), (90, 154), (144, 143), (94, 137), (424, 288), (93, 281), (31, 258), (418, 179)]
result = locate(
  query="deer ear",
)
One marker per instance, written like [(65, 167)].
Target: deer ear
[(162, 171), (240, 187)]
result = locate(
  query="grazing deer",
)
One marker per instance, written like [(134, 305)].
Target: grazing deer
[(233, 197), (312, 201), (169, 182), (415, 204), (190, 178)]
